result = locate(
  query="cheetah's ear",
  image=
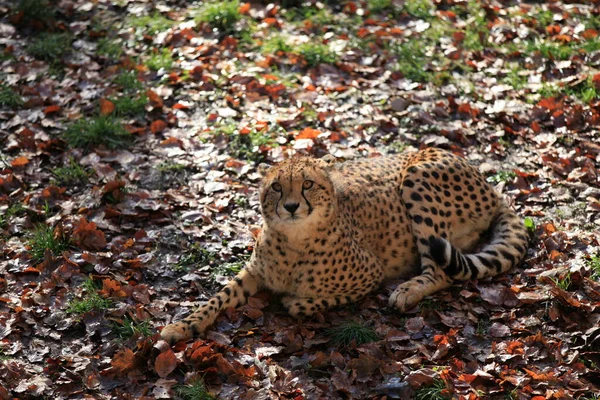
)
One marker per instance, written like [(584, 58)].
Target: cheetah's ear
[(263, 168), (328, 160)]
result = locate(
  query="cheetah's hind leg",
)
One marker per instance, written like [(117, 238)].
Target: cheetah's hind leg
[(411, 292)]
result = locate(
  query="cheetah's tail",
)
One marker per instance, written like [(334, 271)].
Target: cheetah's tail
[(506, 249)]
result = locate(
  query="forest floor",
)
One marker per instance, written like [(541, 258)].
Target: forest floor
[(130, 135)]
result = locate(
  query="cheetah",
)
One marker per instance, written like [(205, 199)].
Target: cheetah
[(334, 231)]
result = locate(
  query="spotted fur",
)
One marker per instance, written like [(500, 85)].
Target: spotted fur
[(333, 232)]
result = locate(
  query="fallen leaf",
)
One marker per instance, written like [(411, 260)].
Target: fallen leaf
[(106, 107), (158, 126), (19, 162), (165, 363)]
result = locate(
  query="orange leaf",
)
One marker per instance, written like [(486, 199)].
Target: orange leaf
[(362, 32), (199, 351), (123, 361), (244, 8), (261, 125), (171, 142), (564, 38), (87, 236), (179, 106), (158, 126), (308, 133), (271, 22), (465, 108), (154, 98), (19, 162), (272, 11), (112, 288), (596, 81), (106, 107), (113, 185), (551, 103), (51, 109), (165, 363), (553, 29), (589, 34), (266, 63), (515, 347)]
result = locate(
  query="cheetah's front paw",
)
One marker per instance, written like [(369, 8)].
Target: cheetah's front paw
[(405, 297), (173, 333)]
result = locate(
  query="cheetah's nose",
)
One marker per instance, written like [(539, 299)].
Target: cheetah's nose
[(291, 207)]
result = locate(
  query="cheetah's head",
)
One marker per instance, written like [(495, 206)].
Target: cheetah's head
[(297, 194)]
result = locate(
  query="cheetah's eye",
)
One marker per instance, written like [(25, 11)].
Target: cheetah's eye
[(276, 186), (307, 185)]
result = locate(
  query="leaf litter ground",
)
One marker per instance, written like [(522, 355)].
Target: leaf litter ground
[(130, 134)]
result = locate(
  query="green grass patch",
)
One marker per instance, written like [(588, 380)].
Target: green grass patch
[(564, 282), (109, 48), (483, 326), (70, 175), (422, 9), (196, 256), (129, 106), (150, 24), (477, 32), (129, 81), (15, 210), (590, 45), (248, 147), (550, 90), (169, 167), (411, 60), (316, 15), (515, 78), (159, 60), (9, 98), (502, 176), (554, 51), (543, 18), (222, 16), (96, 131), (433, 392), (529, 225), (44, 238), (128, 328), (429, 304), (379, 6), (35, 10), (226, 269), (193, 391), (276, 44), (316, 53), (352, 331), (585, 91), (12, 211), (89, 301), (50, 47), (594, 264)]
